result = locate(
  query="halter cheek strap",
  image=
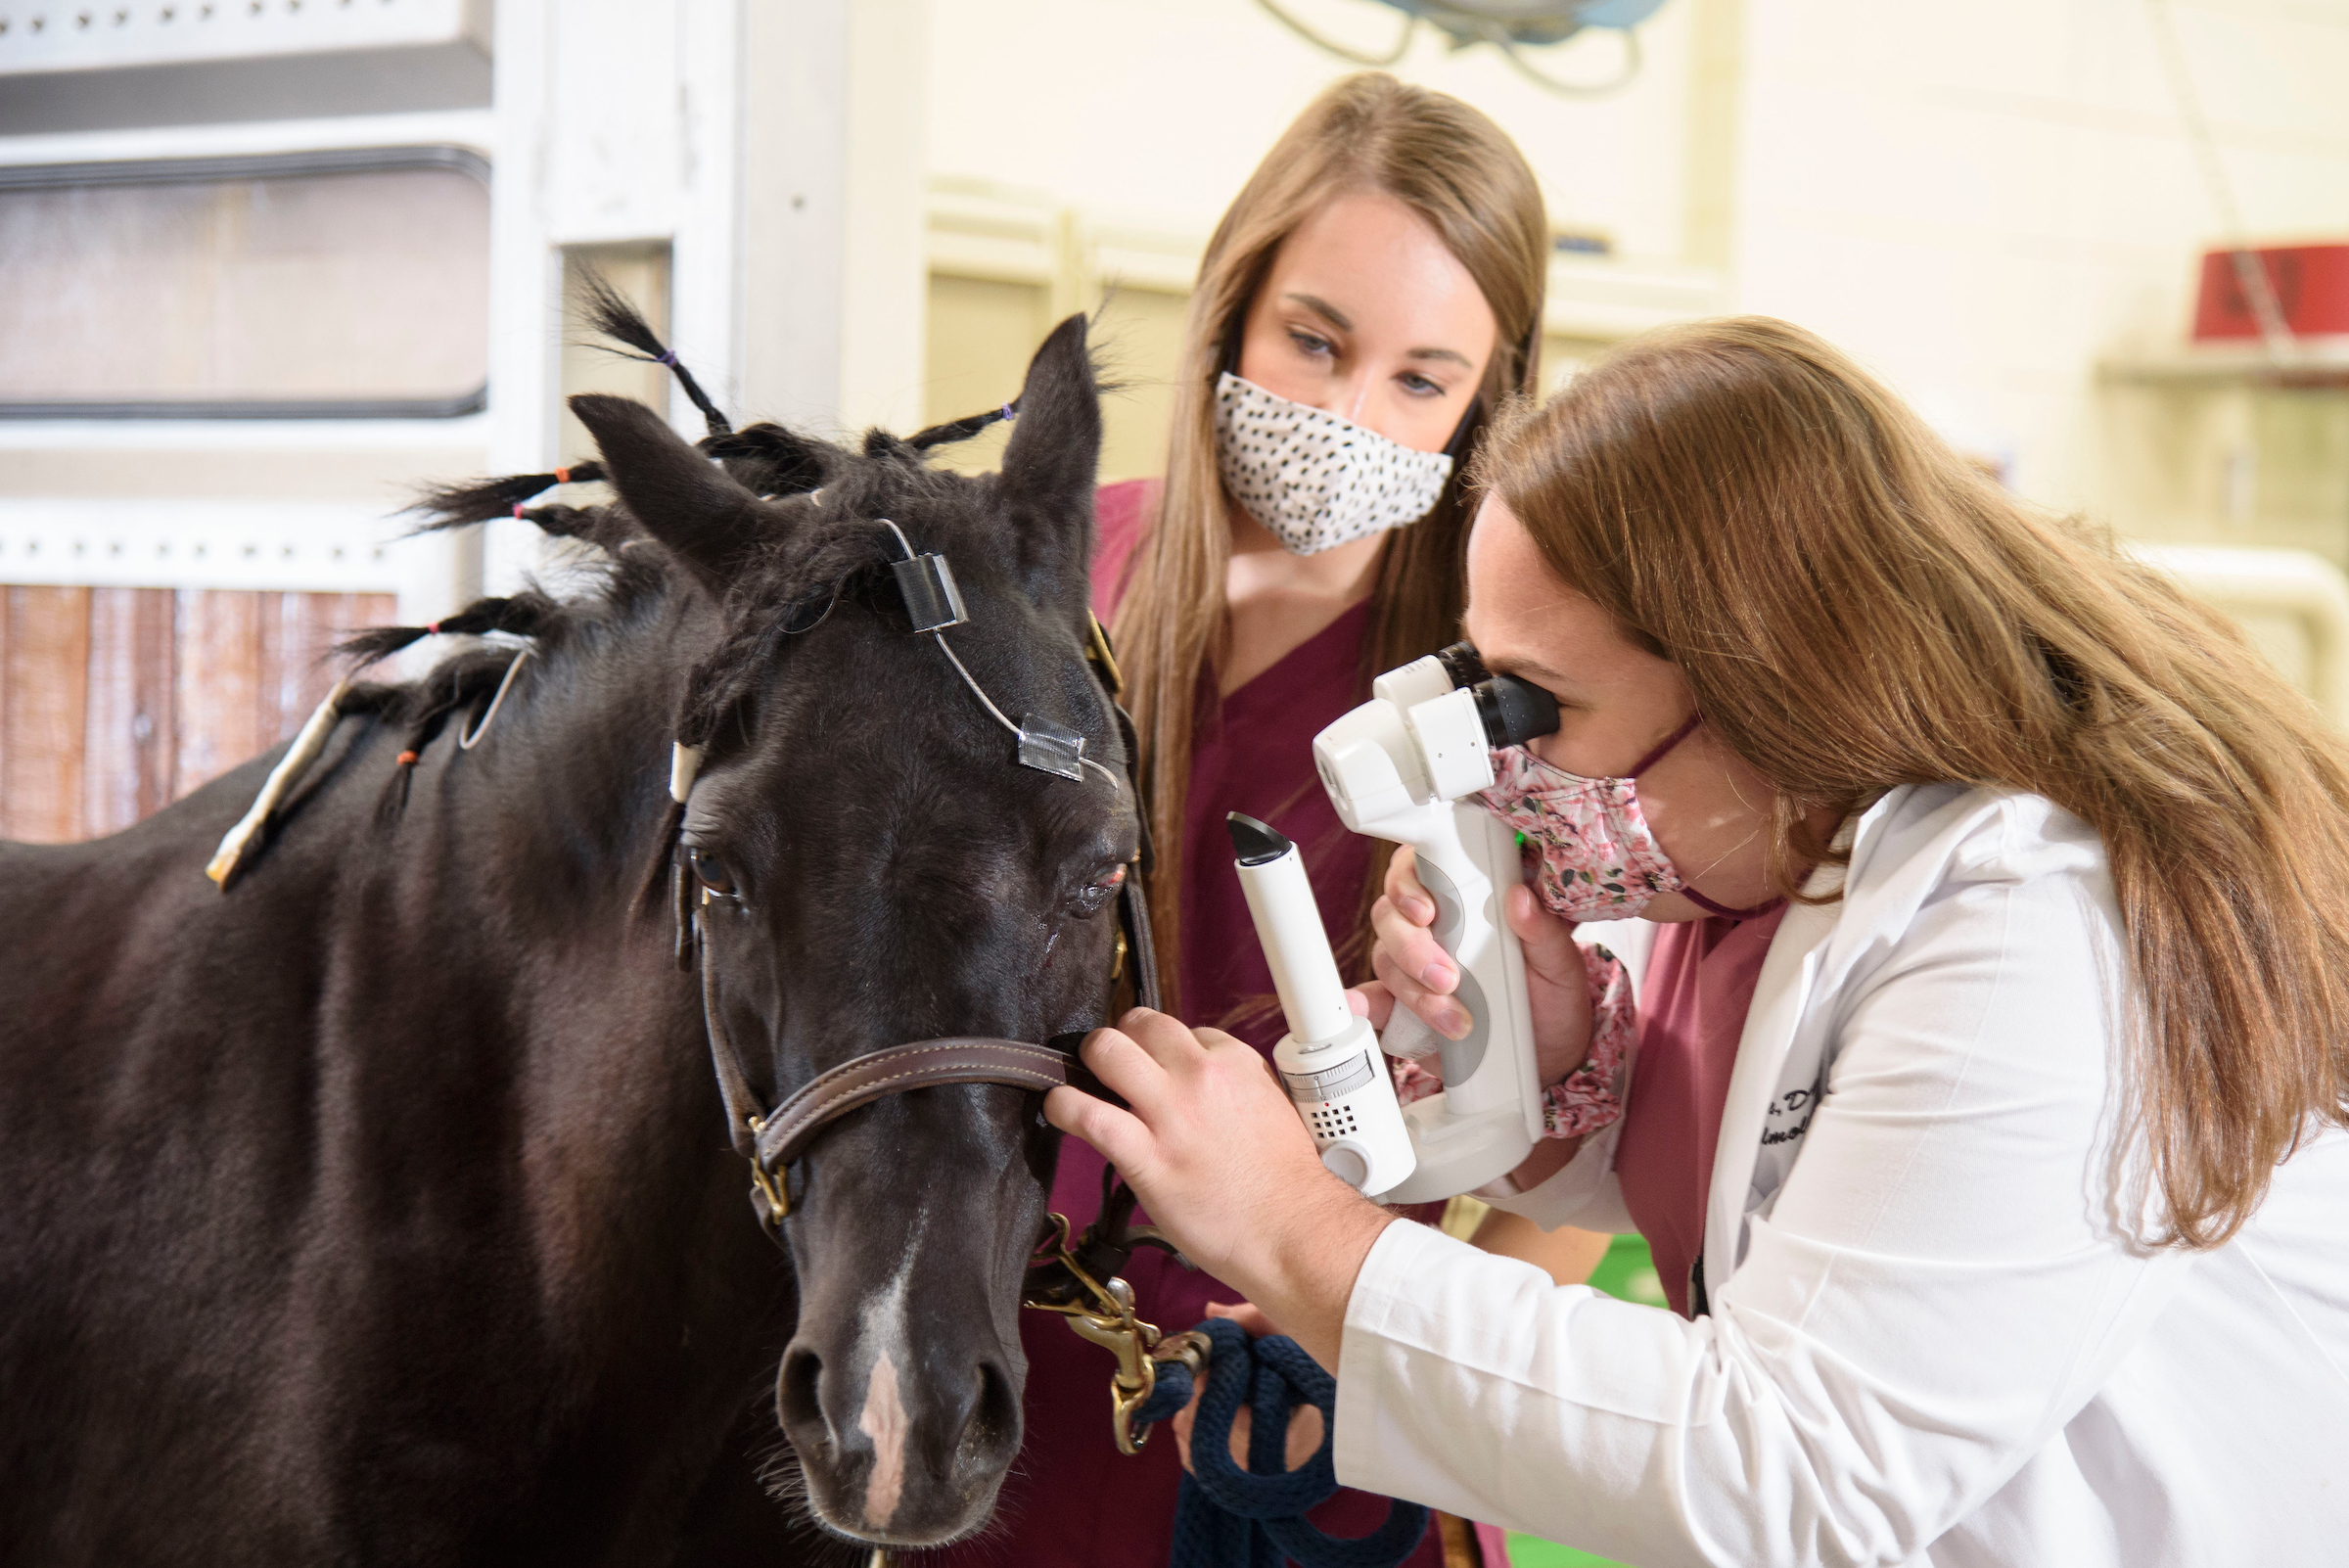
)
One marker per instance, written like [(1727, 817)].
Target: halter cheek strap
[(772, 1140)]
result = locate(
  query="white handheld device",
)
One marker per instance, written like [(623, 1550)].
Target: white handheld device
[(1329, 1060), (1400, 767)]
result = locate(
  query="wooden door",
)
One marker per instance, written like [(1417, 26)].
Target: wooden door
[(115, 702)]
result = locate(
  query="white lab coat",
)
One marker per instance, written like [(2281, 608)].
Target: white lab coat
[(1932, 1337)]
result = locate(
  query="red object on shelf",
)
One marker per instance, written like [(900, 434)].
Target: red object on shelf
[(2311, 284)]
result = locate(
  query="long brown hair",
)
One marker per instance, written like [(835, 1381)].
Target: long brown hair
[(1462, 174), (1855, 607)]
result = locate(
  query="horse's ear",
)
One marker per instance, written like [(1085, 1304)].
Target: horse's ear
[(687, 502), (1055, 448)]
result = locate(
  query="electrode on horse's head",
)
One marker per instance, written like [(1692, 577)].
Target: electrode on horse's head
[(932, 597), (933, 604)]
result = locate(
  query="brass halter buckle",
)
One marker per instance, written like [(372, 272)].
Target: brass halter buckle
[(770, 1192), (1106, 1317)]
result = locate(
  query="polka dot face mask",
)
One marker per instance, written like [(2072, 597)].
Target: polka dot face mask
[(1315, 480)]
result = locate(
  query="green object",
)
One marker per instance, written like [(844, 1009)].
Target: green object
[(1628, 1273), (1527, 1552)]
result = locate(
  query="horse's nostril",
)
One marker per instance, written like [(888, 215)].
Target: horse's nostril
[(992, 1427), (799, 1401)]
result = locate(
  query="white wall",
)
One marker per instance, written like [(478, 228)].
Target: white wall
[(1157, 110), (1981, 200), (768, 145)]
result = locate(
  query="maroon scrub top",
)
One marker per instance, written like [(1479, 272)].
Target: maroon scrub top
[(1699, 986), (1073, 1500)]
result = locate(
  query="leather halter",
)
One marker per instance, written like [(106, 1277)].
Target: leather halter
[(1078, 1279), (772, 1141)]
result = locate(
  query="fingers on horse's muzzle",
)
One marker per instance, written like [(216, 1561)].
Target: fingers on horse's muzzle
[(894, 1454)]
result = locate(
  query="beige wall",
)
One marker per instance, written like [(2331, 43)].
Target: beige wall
[(1986, 202), (1155, 112), (982, 329)]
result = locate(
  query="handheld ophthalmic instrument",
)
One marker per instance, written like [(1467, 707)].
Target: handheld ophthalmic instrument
[(1329, 1060), (1403, 766)]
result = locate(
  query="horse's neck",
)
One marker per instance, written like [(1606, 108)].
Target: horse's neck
[(562, 804), (553, 842)]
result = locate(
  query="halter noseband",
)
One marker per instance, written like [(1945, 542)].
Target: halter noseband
[(1077, 1279)]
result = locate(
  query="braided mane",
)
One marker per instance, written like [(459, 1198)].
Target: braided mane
[(830, 539)]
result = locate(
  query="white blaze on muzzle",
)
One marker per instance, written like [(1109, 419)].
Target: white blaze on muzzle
[(884, 1420)]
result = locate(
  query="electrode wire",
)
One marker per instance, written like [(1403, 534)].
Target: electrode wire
[(939, 636), (979, 692), (466, 741)]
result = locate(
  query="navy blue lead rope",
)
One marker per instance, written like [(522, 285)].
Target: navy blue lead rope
[(1227, 1517)]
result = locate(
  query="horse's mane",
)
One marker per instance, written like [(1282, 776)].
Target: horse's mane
[(831, 536)]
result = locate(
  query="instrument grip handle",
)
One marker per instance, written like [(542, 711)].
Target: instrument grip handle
[(1409, 1037)]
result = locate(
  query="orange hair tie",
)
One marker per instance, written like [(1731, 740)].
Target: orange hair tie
[(405, 760), (562, 475)]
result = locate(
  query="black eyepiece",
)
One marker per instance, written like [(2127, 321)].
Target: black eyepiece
[(1461, 663), (1514, 710)]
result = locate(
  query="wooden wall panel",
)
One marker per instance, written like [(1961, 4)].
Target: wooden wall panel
[(298, 633), (129, 744), (46, 667), (113, 701), (217, 710)]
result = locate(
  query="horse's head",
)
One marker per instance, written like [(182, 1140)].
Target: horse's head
[(880, 869)]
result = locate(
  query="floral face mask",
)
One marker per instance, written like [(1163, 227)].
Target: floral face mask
[(1594, 857)]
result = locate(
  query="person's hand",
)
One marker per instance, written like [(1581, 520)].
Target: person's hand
[(1415, 971), (1219, 1157), (1305, 1425)]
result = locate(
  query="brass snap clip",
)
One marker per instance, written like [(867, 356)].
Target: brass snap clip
[(1106, 1317)]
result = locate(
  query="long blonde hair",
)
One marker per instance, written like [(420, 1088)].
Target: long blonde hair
[(1462, 174), (1855, 607)]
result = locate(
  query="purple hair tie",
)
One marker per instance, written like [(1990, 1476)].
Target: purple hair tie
[(1010, 412), (669, 357)]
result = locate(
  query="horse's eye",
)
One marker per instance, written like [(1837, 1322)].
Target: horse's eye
[(1096, 894), (709, 870)]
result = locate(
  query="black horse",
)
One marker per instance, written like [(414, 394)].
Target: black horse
[(383, 1209)]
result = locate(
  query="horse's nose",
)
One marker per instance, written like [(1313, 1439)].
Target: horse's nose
[(984, 1420), (800, 1400), (898, 1453)]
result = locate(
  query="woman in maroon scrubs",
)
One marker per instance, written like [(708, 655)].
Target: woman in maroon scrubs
[(1382, 271)]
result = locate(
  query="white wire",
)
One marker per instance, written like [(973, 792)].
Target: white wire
[(976, 691), (1017, 733), (938, 633), (466, 742)]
